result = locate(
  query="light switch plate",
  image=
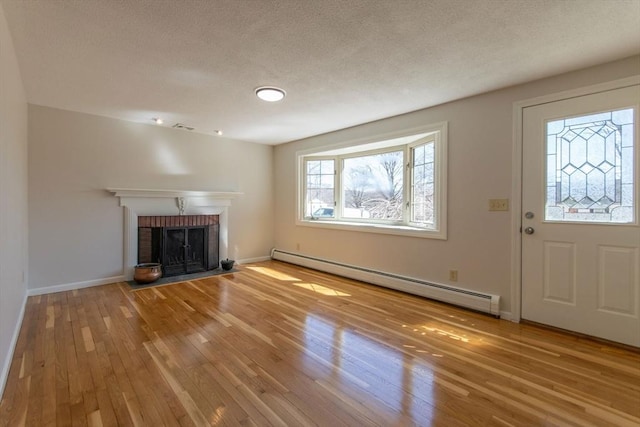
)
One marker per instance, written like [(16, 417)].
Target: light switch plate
[(498, 204)]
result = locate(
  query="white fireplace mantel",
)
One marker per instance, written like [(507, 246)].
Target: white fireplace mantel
[(140, 202), (141, 193)]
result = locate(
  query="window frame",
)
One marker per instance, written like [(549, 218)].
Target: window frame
[(437, 179), (304, 186), (404, 141)]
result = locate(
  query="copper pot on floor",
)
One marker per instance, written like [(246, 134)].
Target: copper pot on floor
[(148, 272)]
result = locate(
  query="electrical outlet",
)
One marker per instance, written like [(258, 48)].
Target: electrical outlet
[(498, 204), (297, 246), (453, 275)]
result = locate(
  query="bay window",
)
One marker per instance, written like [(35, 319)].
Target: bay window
[(393, 186)]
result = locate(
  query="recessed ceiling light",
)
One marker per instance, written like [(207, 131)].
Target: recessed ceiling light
[(158, 120), (270, 93), (218, 132)]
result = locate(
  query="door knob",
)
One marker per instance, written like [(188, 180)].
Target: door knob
[(529, 230)]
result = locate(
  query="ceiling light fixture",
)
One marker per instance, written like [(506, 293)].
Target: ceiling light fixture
[(218, 132), (158, 120), (270, 93)]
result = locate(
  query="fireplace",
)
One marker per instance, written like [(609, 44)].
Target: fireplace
[(172, 203), (182, 244)]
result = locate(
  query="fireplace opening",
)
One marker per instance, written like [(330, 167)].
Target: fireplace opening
[(182, 244)]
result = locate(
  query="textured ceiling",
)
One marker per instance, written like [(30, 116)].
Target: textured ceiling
[(342, 62)]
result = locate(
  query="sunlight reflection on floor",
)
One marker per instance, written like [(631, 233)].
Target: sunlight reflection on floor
[(274, 274), (321, 289), (442, 332)]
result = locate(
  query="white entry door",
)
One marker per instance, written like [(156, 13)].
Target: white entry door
[(580, 224)]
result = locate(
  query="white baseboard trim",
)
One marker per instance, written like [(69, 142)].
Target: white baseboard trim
[(105, 281), (472, 299), (76, 285), (12, 347)]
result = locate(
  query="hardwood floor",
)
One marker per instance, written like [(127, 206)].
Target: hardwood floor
[(276, 344)]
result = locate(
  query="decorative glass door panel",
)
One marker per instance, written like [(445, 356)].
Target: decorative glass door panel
[(590, 168)]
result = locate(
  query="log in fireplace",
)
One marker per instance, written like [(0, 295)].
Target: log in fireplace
[(182, 244)]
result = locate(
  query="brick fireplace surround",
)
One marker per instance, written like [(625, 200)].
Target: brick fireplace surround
[(138, 202)]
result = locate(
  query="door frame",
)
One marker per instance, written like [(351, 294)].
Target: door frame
[(516, 178)]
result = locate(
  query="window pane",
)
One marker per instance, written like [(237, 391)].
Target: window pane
[(590, 168), (319, 194), (388, 186), (313, 167), (313, 181), (422, 185), (326, 167), (372, 186)]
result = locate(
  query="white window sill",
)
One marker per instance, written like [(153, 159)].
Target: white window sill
[(398, 230)]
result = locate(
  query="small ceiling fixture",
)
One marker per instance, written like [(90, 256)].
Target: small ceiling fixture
[(158, 120), (270, 93), (217, 132)]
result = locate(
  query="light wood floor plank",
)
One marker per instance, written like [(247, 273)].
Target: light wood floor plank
[(276, 344)]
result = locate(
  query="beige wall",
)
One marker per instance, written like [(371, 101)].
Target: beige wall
[(13, 198), (480, 168), (76, 226)]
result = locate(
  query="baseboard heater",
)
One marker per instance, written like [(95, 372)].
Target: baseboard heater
[(462, 297)]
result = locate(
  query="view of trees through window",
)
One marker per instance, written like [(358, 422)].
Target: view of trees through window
[(393, 183), (373, 186)]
